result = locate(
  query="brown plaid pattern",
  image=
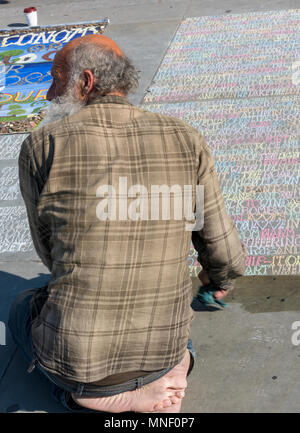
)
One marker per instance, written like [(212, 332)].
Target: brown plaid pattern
[(120, 291)]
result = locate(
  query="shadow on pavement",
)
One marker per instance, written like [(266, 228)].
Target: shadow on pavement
[(17, 24), (266, 294), (11, 281), (20, 391), (11, 285)]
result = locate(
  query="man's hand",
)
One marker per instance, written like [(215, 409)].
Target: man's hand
[(204, 278), (220, 293)]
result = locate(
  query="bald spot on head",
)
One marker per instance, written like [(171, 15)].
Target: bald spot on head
[(102, 41), (61, 59), (61, 63)]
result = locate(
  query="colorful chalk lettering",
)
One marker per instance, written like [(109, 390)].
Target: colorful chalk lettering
[(235, 78)]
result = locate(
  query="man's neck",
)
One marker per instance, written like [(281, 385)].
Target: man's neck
[(116, 94), (99, 96)]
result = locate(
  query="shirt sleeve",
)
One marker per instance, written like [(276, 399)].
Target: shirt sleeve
[(31, 184), (220, 251)]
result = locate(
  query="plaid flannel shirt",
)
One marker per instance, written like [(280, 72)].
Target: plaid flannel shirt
[(120, 290)]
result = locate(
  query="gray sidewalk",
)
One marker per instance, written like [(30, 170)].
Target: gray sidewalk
[(246, 360)]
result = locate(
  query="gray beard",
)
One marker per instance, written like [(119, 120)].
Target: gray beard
[(61, 107)]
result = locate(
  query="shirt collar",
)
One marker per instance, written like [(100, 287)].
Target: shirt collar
[(110, 99)]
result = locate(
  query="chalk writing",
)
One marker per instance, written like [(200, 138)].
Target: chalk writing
[(15, 233), (9, 183), (10, 145), (235, 79)]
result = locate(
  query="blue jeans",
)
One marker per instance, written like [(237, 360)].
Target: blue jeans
[(19, 324)]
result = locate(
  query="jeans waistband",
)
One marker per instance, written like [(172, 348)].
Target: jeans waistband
[(89, 390)]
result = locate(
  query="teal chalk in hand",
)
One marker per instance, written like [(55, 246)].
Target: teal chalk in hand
[(205, 297)]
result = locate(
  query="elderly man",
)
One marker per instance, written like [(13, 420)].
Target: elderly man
[(111, 329)]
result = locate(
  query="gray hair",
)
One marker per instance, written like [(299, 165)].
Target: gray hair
[(111, 71)]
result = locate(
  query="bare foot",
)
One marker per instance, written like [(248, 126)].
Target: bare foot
[(162, 395), (174, 408)]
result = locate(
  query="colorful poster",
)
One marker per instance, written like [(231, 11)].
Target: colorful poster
[(25, 62)]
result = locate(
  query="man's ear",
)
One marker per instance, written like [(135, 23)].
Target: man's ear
[(88, 82)]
